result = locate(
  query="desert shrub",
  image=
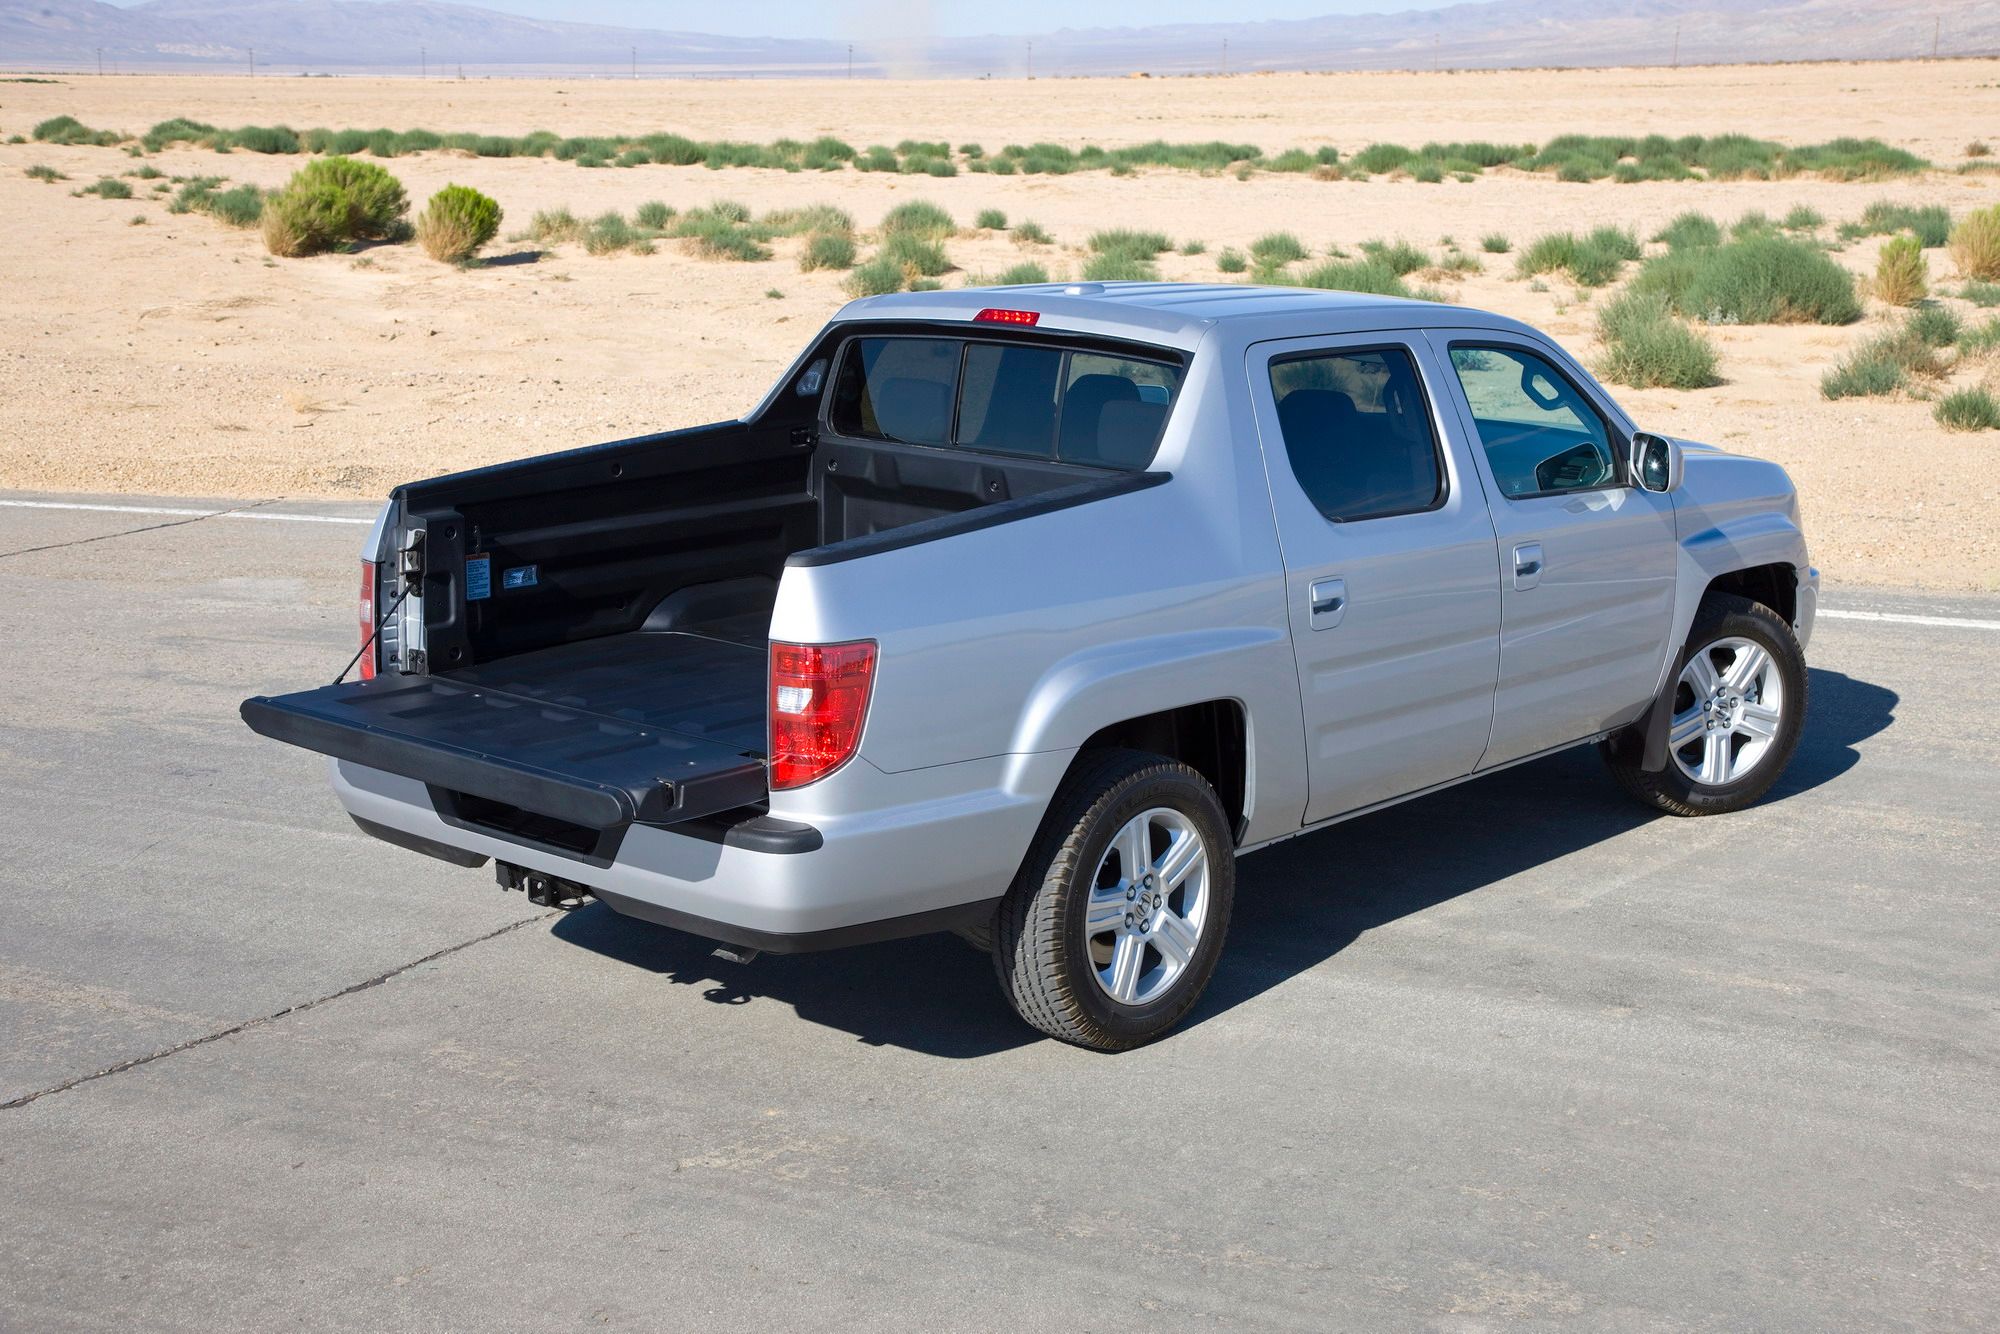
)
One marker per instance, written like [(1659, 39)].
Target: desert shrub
[(1399, 257), (456, 222), (991, 220), (1931, 224), (920, 219), (1981, 293), (147, 172), (1031, 233), (609, 233), (1801, 218), (1457, 261), (806, 220), (878, 276), (1192, 247), (1885, 363), (107, 187), (240, 206), (1591, 260), (331, 202), (1901, 277), (1978, 148), (1968, 410), (1493, 243), (1980, 339), (1021, 275), (41, 171), (1762, 280), (1646, 347), (1850, 159), (916, 255), (1688, 230), (1975, 243), (827, 250), (553, 226), (1231, 261), (1934, 326), (713, 235), (1144, 245), (71, 131), (1120, 266), (264, 139), (1361, 275), (1277, 248), (876, 158), (653, 215)]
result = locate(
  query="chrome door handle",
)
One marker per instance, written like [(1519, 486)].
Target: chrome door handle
[(1329, 603), (1527, 564)]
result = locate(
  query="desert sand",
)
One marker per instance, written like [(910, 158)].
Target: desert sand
[(174, 356)]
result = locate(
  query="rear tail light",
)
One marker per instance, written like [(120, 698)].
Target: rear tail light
[(368, 648), (991, 315), (819, 698)]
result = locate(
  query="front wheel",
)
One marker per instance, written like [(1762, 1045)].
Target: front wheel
[(1739, 707), (1114, 924)]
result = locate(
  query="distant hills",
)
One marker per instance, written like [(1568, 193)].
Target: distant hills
[(395, 36)]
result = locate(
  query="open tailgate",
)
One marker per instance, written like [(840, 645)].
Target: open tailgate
[(643, 727)]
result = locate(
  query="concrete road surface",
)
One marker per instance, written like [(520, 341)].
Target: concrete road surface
[(1516, 1053)]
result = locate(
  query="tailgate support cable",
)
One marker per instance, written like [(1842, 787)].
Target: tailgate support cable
[(369, 642)]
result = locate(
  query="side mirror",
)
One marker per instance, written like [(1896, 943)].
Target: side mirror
[(1657, 462)]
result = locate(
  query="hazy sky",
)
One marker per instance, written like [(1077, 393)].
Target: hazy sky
[(941, 18)]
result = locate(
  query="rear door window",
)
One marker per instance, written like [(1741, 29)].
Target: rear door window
[(1021, 399)]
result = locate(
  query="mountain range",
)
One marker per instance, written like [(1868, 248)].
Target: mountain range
[(404, 36)]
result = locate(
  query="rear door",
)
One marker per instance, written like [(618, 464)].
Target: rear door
[(1393, 597), (1586, 559)]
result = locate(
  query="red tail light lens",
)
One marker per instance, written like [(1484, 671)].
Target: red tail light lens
[(369, 650), (819, 698), (991, 315)]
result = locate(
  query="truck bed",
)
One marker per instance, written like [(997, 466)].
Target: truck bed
[(654, 727)]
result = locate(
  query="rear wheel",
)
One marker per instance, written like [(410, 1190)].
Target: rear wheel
[(1739, 708), (1114, 924)]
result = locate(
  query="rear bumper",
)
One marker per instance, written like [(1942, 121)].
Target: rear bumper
[(935, 849)]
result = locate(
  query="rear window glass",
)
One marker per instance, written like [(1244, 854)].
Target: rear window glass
[(1027, 400)]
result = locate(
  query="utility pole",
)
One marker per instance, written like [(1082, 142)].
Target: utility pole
[(1225, 57), (1677, 46), (850, 60), (253, 62), (635, 64), (1937, 33), (1031, 57), (423, 62), (100, 62)]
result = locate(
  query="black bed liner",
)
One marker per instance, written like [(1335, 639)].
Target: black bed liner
[(653, 728)]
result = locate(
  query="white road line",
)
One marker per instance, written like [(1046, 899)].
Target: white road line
[(183, 513), (1904, 618)]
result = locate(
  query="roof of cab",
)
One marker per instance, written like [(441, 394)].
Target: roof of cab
[(1180, 314)]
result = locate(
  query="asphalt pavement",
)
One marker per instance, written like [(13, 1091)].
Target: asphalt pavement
[(1519, 1052)]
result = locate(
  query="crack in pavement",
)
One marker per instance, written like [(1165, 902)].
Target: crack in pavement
[(133, 532), (135, 1062)]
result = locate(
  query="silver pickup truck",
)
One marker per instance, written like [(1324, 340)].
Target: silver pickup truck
[(1023, 612)]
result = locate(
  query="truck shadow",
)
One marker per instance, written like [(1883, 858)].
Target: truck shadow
[(1297, 904)]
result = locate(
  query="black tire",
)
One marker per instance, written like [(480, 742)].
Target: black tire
[(1724, 616), (1043, 960)]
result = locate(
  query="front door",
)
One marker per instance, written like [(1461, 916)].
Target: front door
[(1586, 558), (1394, 600)]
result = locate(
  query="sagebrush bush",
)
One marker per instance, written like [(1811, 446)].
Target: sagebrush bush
[(1031, 233), (1493, 243), (553, 226), (806, 219), (1591, 260), (1968, 410), (1646, 347), (1277, 248), (1981, 293), (827, 250), (42, 171), (920, 219), (1194, 247), (1802, 218), (1930, 224), (1356, 275), (878, 276), (1764, 279), (1689, 230), (331, 202), (653, 215), (1120, 266), (1886, 362), (991, 219), (107, 187), (1975, 243), (456, 222), (1123, 240), (1934, 326), (1901, 277), (1399, 257), (608, 233), (1231, 260), (917, 256), (1022, 275), (69, 130)]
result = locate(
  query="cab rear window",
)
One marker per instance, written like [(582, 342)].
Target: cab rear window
[(1029, 400)]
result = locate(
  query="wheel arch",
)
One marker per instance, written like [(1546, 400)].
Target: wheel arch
[(1211, 737)]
